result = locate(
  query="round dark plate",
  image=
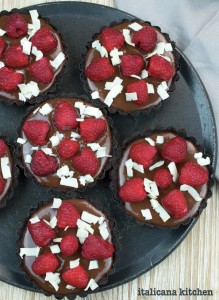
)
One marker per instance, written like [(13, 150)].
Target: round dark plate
[(188, 107)]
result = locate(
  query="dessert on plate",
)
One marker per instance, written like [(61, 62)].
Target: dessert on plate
[(66, 246), (65, 143), (31, 56), (130, 66), (163, 179)]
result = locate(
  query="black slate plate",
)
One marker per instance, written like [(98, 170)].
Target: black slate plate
[(188, 107)]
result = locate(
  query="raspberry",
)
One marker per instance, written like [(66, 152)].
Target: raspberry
[(193, 174), (69, 245), (2, 148), (2, 46), (68, 148), (36, 131), (92, 129), (100, 69), (133, 190), (67, 215), (43, 164), (143, 154), (9, 79), (163, 178), (139, 87), (44, 40), (16, 26), (111, 38), (175, 150), (2, 185), (42, 71), (160, 68), (86, 162), (15, 58), (95, 247), (145, 38), (65, 116), (77, 277), (41, 233), (131, 64), (175, 204), (46, 262)]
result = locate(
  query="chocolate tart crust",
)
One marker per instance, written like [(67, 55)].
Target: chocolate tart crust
[(114, 174), (139, 110)]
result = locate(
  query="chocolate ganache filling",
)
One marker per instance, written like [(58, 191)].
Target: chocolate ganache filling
[(154, 85), (153, 203)]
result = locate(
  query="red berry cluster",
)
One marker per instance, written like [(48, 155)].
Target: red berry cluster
[(145, 40), (94, 247), (174, 150), (82, 157), (13, 57)]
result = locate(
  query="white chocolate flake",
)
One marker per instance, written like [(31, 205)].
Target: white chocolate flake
[(5, 167), (21, 141), (55, 249), (93, 265), (156, 165), (160, 210), (187, 188), (28, 158), (146, 213), (29, 252), (74, 263), (135, 26)]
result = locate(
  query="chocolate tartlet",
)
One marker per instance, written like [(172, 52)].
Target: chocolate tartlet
[(163, 179), (7, 171), (31, 56), (66, 246), (65, 143), (130, 66)]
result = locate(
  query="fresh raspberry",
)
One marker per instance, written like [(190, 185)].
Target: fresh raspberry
[(36, 131), (143, 154), (16, 26), (69, 245), (68, 148), (44, 40), (160, 68), (42, 70), (86, 162), (92, 129), (2, 148), (139, 87), (43, 164), (46, 262), (131, 64), (175, 150), (133, 190), (163, 178), (2, 46), (193, 174), (175, 204), (95, 247), (41, 233), (67, 215), (77, 277), (15, 58), (2, 185), (65, 116), (111, 38), (145, 38), (100, 69), (9, 79)]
